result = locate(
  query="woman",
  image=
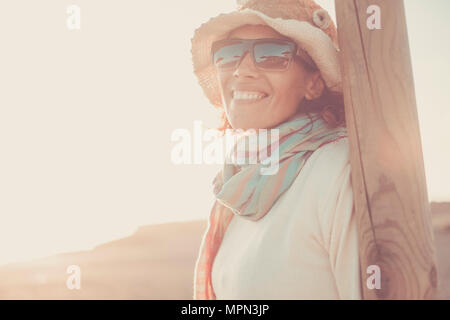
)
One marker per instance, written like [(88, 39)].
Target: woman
[(272, 64)]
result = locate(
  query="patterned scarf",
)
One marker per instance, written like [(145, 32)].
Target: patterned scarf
[(245, 190)]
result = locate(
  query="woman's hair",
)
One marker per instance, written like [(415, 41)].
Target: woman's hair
[(330, 105)]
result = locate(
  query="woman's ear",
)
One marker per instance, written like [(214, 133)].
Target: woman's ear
[(314, 86)]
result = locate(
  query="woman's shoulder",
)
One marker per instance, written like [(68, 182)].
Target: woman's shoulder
[(327, 163), (334, 192), (337, 150), (323, 172), (314, 194), (324, 184), (331, 167)]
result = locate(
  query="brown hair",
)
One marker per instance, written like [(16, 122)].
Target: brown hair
[(330, 105)]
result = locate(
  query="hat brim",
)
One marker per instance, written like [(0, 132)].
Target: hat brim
[(312, 39)]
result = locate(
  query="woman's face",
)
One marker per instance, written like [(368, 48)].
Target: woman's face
[(283, 90)]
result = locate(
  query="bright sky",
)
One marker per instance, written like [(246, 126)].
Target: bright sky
[(87, 116)]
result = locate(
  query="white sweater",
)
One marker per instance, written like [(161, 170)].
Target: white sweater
[(305, 247)]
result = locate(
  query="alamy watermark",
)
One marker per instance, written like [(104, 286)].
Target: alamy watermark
[(73, 21), (74, 280), (235, 146), (374, 280)]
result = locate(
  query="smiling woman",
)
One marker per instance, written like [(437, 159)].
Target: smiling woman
[(291, 234), (264, 94), (298, 86)]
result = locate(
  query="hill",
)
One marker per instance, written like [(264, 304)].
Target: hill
[(156, 262)]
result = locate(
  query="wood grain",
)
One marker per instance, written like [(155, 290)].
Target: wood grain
[(388, 175)]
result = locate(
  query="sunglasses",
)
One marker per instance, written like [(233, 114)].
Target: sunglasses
[(267, 54)]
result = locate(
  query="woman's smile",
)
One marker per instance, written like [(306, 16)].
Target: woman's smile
[(247, 97)]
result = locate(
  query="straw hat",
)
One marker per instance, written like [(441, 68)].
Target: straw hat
[(303, 21)]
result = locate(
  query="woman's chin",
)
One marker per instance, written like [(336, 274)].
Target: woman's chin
[(249, 124), (249, 116)]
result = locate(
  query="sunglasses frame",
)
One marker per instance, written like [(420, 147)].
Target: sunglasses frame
[(249, 46)]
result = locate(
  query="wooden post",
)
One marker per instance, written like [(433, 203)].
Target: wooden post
[(388, 175)]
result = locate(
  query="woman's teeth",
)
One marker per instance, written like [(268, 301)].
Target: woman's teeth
[(248, 95)]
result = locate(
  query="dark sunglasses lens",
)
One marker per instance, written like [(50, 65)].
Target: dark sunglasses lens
[(273, 55), (227, 54)]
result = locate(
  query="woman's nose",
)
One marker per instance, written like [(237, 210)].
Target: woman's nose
[(246, 67)]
